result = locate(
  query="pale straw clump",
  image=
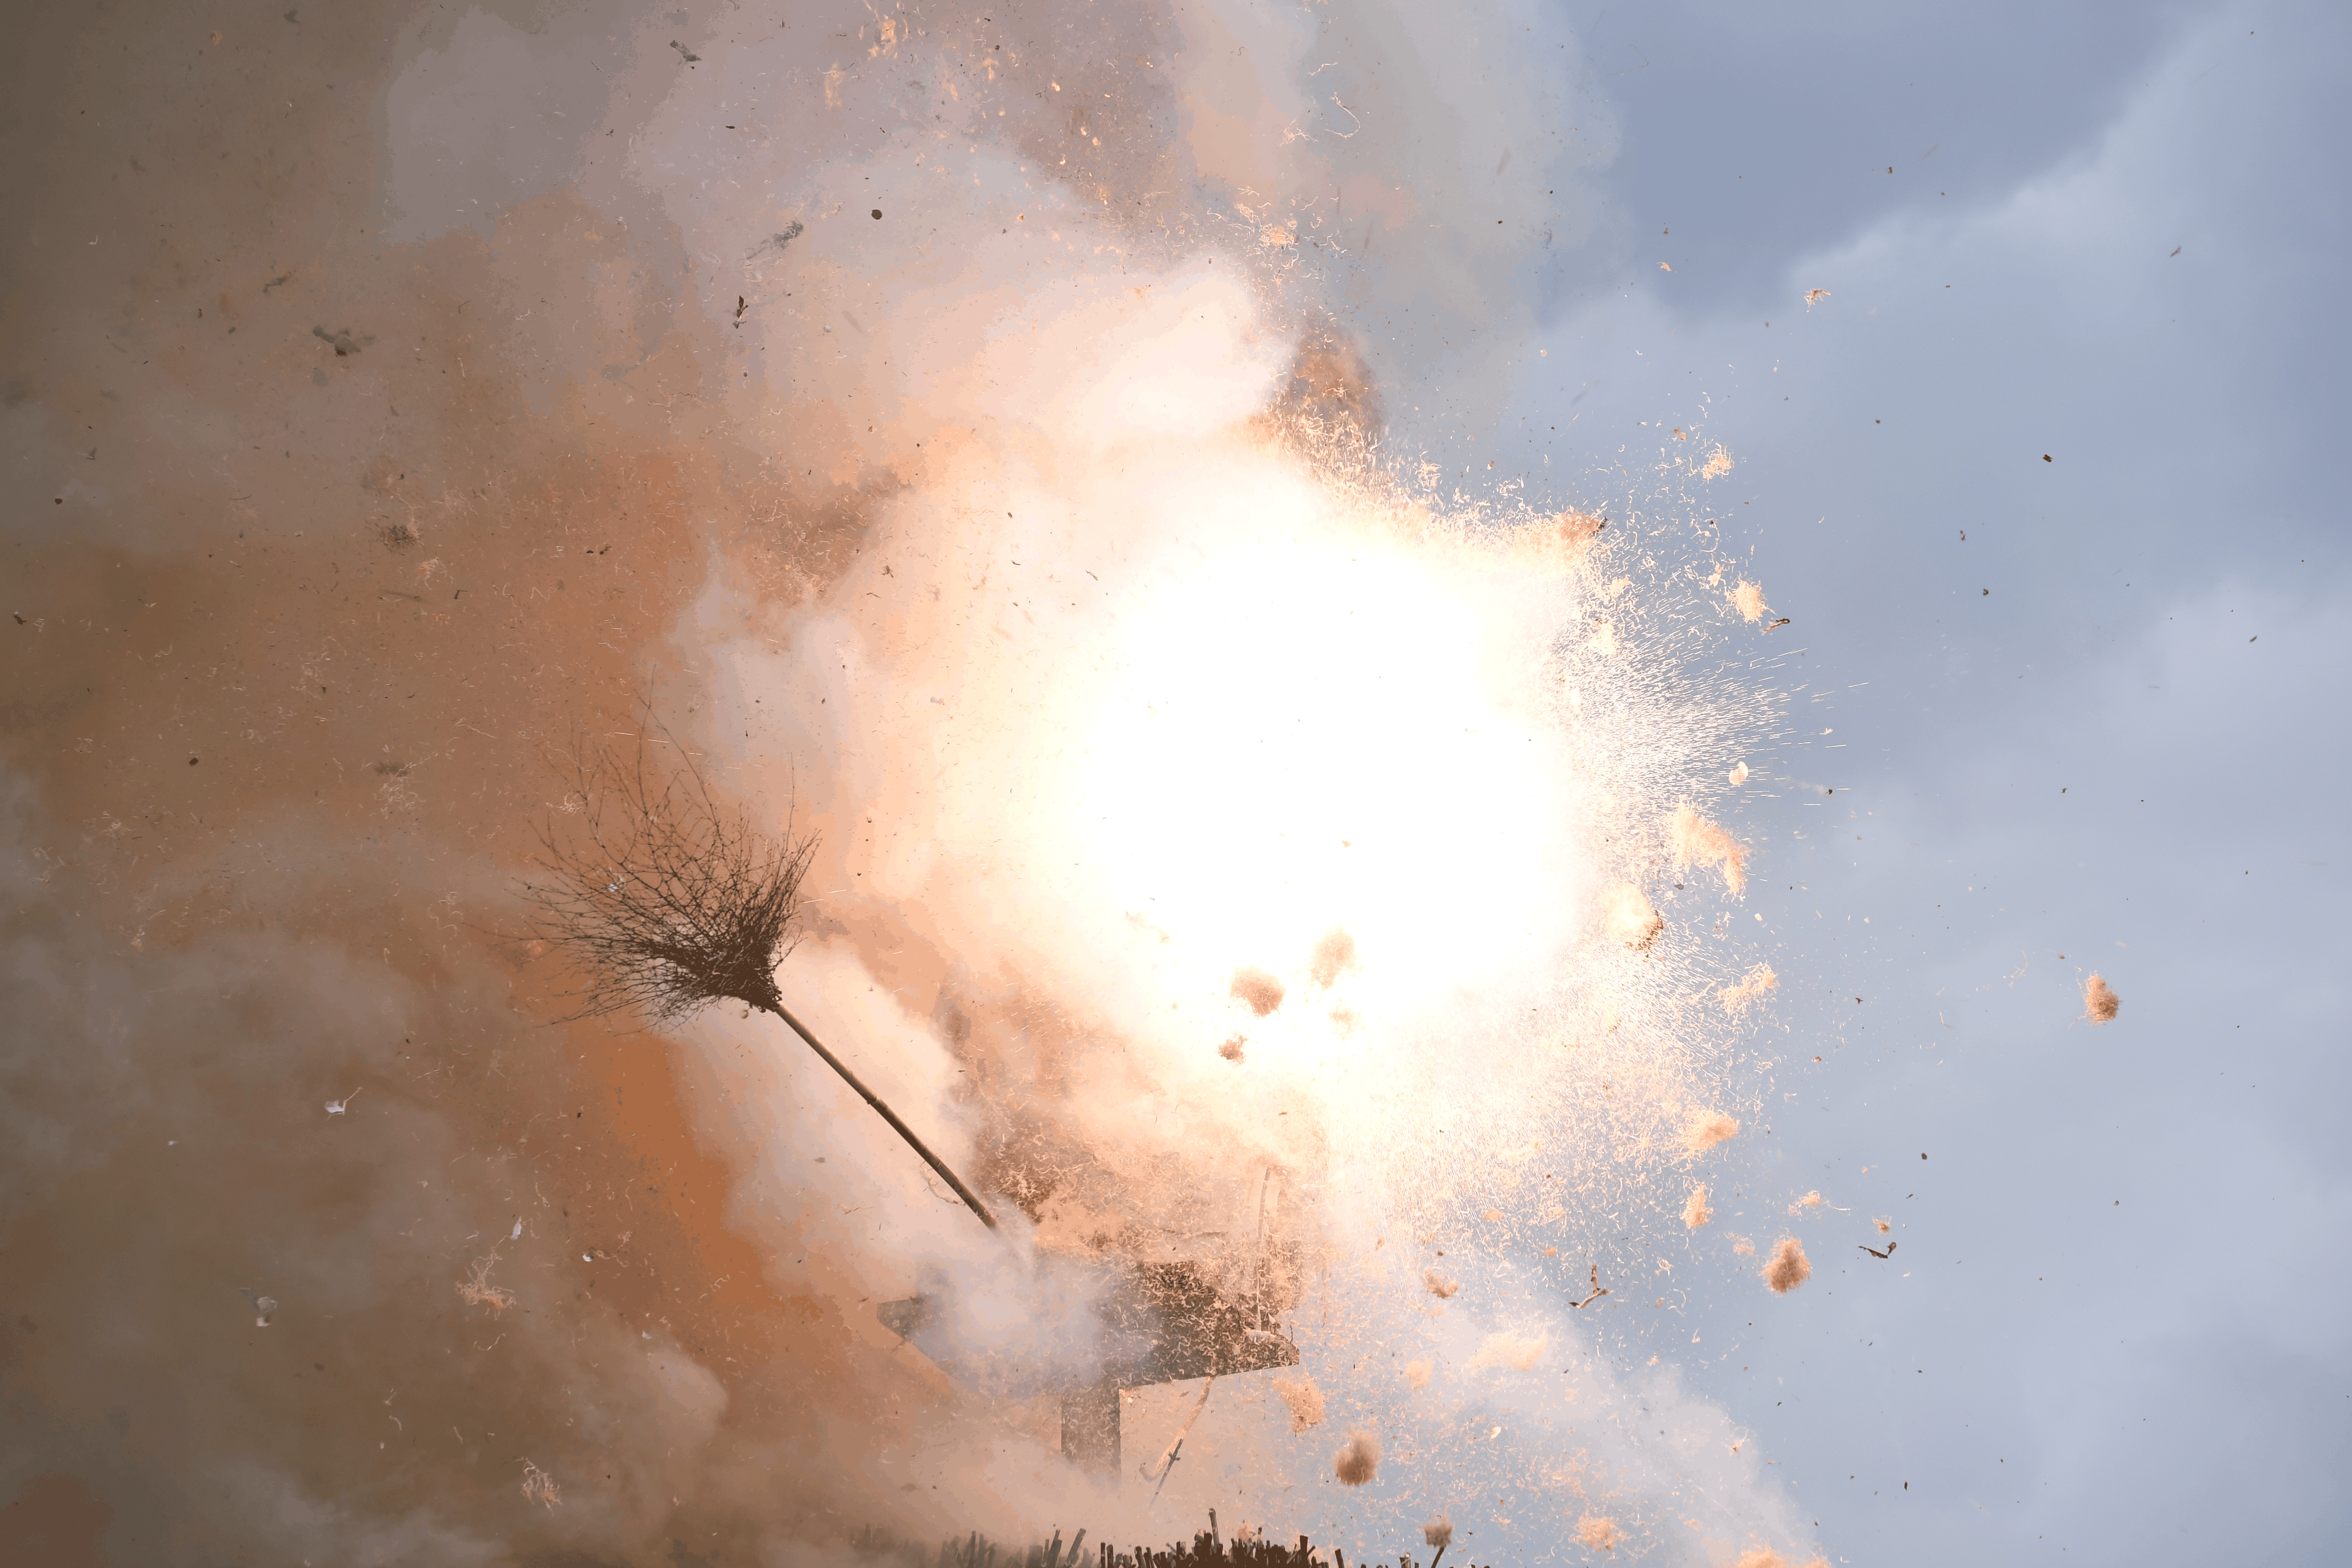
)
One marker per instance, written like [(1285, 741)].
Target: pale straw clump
[(1631, 918), (1758, 981), (1707, 1128), (1698, 842), (1259, 990), (1696, 1213), (1599, 1531), (1333, 956), (476, 1290), (2099, 1002), (1765, 1557), (1509, 1350), (538, 1486), (1306, 1402)]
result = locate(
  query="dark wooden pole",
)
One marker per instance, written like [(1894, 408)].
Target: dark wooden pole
[(888, 1115)]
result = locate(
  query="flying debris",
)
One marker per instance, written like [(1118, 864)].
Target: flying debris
[(1597, 1291), (1875, 1252)]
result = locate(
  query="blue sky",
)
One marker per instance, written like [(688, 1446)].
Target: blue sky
[(2085, 706)]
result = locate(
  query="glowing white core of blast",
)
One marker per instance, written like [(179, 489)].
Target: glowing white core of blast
[(1123, 701), (1310, 733)]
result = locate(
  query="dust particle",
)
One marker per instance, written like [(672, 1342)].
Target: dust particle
[(1231, 1049), (1306, 1402), (1358, 1461), (1416, 1375), (1707, 1128), (1814, 296), (1786, 1269), (1884, 1226), (2099, 1002), (1261, 990), (1334, 956), (1440, 1286), (1696, 1213), (1748, 599), (1718, 463), (1599, 1531)]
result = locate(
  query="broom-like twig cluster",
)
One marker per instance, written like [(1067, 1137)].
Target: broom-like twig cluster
[(664, 900)]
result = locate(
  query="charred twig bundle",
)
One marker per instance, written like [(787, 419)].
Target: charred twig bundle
[(665, 899), (666, 902)]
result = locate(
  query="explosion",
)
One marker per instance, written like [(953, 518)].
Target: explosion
[(1063, 734)]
